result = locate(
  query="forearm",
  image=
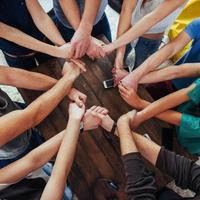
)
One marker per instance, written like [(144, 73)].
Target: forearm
[(63, 162), (22, 39), (125, 22), (127, 144), (172, 72), (89, 15), (22, 120), (148, 21), (164, 104), (32, 161), (72, 12), (44, 23), (24, 79), (169, 116)]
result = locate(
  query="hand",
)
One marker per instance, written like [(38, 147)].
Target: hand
[(90, 121), (127, 118), (72, 68), (130, 81), (118, 75), (106, 121), (95, 49), (66, 51), (78, 97), (108, 48), (130, 96), (80, 42), (76, 112)]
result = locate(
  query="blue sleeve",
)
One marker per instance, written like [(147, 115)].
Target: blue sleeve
[(195, 93), (193, 29)]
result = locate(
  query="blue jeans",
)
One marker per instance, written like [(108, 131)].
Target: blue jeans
[(145, 48), (102, 27)]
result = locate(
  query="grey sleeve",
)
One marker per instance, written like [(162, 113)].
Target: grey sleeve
[(140, 180), (185, 172)]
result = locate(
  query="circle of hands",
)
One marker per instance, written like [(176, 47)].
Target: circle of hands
[(96, 116)]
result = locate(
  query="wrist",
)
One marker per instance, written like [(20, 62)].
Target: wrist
[(86, 27), (74, 120)]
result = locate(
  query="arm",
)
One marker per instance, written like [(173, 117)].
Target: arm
[(44, 23), (32, 161), (140, 180), (16, 122), (14, 35), (65, 155), (24, 79), (172, 72), (163, 104), (157, 59), (185, 171), (123, 26), (162, 11)]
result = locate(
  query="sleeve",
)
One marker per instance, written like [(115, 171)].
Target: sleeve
[(190, 126), (193, 29), (195, 93), (140, 180), (185, 172)]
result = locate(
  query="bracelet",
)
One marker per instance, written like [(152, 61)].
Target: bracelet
[(113, 128), (81, 127)]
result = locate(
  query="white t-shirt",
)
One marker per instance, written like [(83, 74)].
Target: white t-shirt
[(140, 11)]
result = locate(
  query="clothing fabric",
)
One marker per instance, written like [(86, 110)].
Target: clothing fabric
[(16, 14), (189, 131), (81, 4), (192, 55), (189, 13), (140, 11), (147, 47), (141, 181), (102, 27), (18, 145)]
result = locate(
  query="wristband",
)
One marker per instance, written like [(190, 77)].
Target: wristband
[(113, 128), (81, 127)]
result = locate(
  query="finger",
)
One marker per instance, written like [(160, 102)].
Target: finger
[(77, 61), (98, 115), (77, 51), (82, 67), (122, 89), (79, 102), (123, 94), (93, 108), (104, 111), (101, 109)]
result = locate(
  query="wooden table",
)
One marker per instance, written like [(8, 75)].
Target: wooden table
[(97, 155)]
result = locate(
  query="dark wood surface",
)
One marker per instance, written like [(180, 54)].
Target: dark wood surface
[(98, 156)]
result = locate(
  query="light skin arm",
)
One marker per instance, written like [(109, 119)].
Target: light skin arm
[(157, 59), (32, 161), (44, 23), (172, 72), (24, 79), (65, 156), (163, 104), (16, 122), (123, 26), (14, 35), (148, 21)]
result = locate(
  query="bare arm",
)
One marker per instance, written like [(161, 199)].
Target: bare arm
[(32, 161), (163, 104), (44, 23), (162, 11), (65, 156), (157, 59), (172, 72), (24, 79), (14, 35), (123, 26), (16, 122)]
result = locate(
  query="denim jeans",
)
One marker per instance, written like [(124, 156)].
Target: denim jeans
[(102, 27), (145, 48)]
